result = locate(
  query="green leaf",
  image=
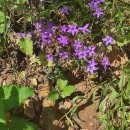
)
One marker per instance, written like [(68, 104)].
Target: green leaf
[(113, 94), (122, 81), (1, 93), (50, 63), (44, 61), (102, 104), (53, 95), (3, 127), (61, 83), (2, 17), (83, 63), (15, 95), (42, 58), (122, 43), (21, 124), (22, 1), (103, 118), (109, 47), (2, 28), (2, 113), (67, 91), (26, 44)]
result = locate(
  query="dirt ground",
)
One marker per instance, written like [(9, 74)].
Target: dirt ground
[(46, 113)]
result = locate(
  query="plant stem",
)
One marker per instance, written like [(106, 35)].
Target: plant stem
[(27, 58)]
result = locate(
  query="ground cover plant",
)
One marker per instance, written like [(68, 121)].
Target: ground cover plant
[(69, 54)]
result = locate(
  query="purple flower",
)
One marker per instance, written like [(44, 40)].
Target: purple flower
[(46, 37), (91, 50), (51, 27), (85, 29), (73, 29), (64, 55), (63, 40), (39, 26), (50, 24), (91, 66), (64, 10), (82, 55), (63, 28), (98, 12), (101, 1), (21, 35), (93, 5), (76, 52), (105, 62), (108, 40), (77, 44), (50, 57)]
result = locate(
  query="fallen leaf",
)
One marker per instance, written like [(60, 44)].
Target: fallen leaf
[(48, 103)]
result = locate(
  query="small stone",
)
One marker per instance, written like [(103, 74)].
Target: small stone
[(91, 124), (48, 103), (40, 79)]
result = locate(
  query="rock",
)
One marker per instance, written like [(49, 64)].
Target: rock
[(48, 103), (9, 80), (47, 118), (91, 124)]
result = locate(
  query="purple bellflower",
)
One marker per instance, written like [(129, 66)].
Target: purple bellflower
[(93, 5), (82, 55), (64, 55), (91, 50), (46, 37), (63, 40), (50, 57), (72, 29), (105, 62), (21, 35), (108, 40), (63, 28), (77, 44), (85, 29), (91, 66), (98, 12), (64, 10)]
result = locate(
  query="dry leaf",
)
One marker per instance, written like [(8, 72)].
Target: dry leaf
[(33, 81), (67, 104), (47, 103), (43, 90), (29, 109)]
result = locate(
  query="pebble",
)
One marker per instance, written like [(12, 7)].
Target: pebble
[(91, 124)]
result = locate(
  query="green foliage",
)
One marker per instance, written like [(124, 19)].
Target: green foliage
[(116, 100), (26, 44), (44, 62), (15, 95), (2, 26), (53, 95), (2, 17), (12, 96), (22, 1), (65, 90), (21, 124), (115, 22)]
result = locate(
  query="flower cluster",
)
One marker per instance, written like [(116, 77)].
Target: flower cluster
[(65, 38), (94, 5)]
